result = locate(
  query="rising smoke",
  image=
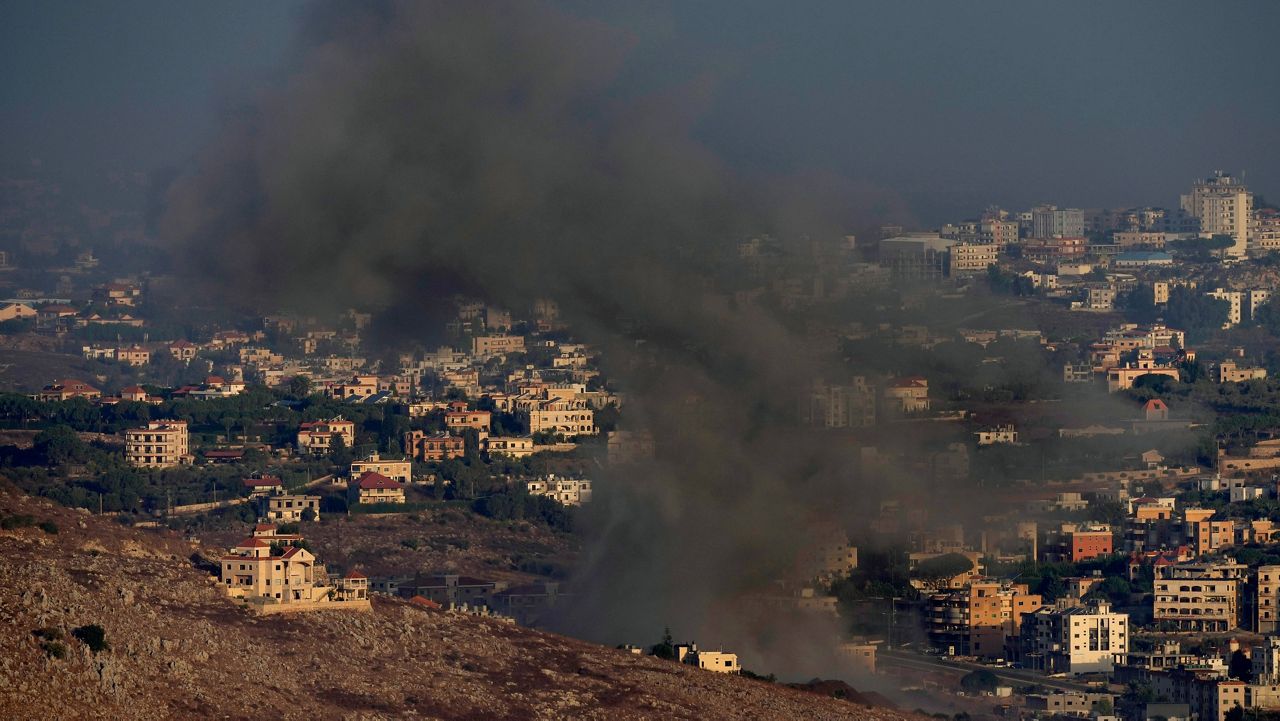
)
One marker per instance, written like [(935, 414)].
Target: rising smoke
[(417, 148)]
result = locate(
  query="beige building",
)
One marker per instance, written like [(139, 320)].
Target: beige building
[(1006, 434), (162, 444), (564, 417), (1264, 231), (290, 508), (400, 471), (373, 487), (1198, 597), (1122, 377), (511, 446), (491, 345), (1229, 372), (983, 619), (1225, 207), (909, 394), (459, 421), (718, 661), (317, 436), (970, 258), (16, 311), (271, 569), (1075, 640), (569, 491)]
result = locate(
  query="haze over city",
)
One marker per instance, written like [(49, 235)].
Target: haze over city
[(603, 360)]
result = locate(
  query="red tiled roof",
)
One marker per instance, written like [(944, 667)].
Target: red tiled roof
[(264, 482), (355, 574), (420, 601), (370, 480), (253, 543), (265, 527)]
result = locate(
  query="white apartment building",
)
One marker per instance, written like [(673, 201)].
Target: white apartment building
[(1088, 639), (1224, 206), (569, 491), (1236, 299), (162, 444), (998, 434)]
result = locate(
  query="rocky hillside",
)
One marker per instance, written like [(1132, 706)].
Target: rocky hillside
[(172, 646)]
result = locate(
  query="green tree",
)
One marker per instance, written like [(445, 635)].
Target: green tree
[(299, 387), (666, 648), (935, 572)]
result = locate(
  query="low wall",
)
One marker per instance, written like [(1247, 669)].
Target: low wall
[(268, 609)]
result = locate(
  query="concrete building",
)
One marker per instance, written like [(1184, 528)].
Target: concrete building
[(1053, 222), (1224, 206), (1075, 542), (1199, 597), (850, 405), (1088, 639), (490, 345), (1005, 434), (1266, 601), (564, 417), (433, 447), (909, 394), (290, 508), (162, 444), (718, 661), (982, 619), (972, 258), (510, 446), (459, 421), (318, 436), (1122, 377), (1264, 231), (916, 257), (400, 471), (569, 491), (1236, 300), (372, 487), (1229, 372)]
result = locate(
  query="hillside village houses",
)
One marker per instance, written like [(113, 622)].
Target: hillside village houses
[(161, 444), (275, 574), (373, 487), (318, 436), (400, 471), (569, 491)]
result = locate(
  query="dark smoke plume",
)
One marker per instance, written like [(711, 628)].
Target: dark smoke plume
[(418, 148)]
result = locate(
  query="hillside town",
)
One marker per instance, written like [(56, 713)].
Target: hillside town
[(1072, 414)]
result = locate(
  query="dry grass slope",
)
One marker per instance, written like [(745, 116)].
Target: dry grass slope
[(180, 649)]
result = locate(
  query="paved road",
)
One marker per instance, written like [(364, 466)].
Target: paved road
[(935, 663)]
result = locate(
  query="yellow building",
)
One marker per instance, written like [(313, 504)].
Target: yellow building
[(400, 471), (162, 444), (373, 487), (318, 436)]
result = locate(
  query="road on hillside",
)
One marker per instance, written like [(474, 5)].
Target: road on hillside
[(1014, 675)]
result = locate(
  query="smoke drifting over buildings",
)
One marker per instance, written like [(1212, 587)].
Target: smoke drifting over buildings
[(416, 149)]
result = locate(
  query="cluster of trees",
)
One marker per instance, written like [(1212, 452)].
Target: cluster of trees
[(517, 504), (1187, 310)]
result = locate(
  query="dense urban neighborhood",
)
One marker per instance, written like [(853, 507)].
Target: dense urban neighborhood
[(1064, 424)]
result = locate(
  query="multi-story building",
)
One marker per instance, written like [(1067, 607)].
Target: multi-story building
[(916, 257), (397, 470), (569, 491), (162, 444), (1229, 372), (433, 447), (1075, 542), (1224, 206), (1264, 231), (1052, 222), (485, 346), (67, 389), (458, 421), (909, 394), (373, 487), (1236, 300), (510, 446), (318, 436), (1006, 434), (272, 569), (564, 417), (981, 619), (1075, 640), (1122, 377), (1265, 589), (1199, 597), (840, 406), (290, 508), (971, 258)]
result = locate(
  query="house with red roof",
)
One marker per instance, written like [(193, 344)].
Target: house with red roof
[(373, 487), (908, 394), (68, 388), (275, 572), (260, 486)]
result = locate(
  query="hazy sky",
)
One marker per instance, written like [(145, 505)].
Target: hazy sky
[(953, 105)]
